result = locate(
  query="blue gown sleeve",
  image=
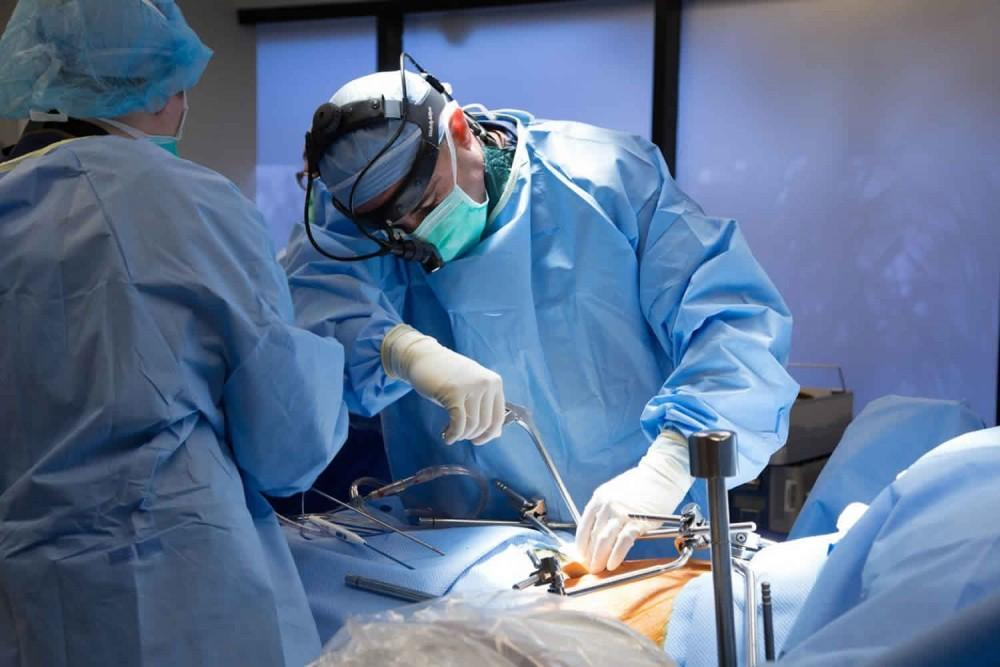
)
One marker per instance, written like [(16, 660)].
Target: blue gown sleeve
[(209, 275), (356, 302), (722, 324)]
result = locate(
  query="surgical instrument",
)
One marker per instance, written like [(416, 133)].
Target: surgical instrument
[(371, 517), (736, 529), (518, 415), (644, 573), (690, 541), (765, 603), (422, 476), (548, 570), (338, 531), (530, 511), (387, 589), (436, 522), (750, 608), (713, 457)]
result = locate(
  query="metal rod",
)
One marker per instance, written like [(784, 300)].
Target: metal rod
[(387, 589), (765, 603), (714, 457), (722, 572), (644, 573), (386, 555), (434, 522), (349, 536), (660, 534), (742, 525), (662, 518), (520, 416), (373, 518), (750, 608)]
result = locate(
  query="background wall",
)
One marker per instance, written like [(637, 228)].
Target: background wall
[(221, 128), (859, 143), (299, 66), (562, 75)]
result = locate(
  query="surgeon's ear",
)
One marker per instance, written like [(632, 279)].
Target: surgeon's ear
[(460, 129)]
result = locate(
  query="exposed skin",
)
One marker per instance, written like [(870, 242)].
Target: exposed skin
[(469, 174), (164, 122)]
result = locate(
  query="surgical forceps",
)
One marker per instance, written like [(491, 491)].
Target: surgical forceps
[(333, 529)]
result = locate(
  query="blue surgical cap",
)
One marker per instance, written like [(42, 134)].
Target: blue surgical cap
[(96, 58), (345, 159)]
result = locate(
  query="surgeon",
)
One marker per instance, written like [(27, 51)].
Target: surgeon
[(558, 256), (152, 384)]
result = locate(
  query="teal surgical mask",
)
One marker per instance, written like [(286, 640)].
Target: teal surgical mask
[(456, 224), (164, 141)]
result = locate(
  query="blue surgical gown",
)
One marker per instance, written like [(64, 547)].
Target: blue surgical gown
[(916, 581), (610, 304), (151, 388), (890, 434)]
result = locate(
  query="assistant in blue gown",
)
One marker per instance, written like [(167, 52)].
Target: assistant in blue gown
[(152, 387)]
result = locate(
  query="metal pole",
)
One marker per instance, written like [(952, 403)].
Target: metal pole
[(637, 575), (713, 458)]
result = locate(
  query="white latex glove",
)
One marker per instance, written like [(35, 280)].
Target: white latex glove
[(655, 486), (472, 394)]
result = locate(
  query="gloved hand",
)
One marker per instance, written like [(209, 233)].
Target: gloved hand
[(472, 394), (655, 486)]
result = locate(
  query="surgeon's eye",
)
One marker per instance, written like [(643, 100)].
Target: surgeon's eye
[(422, 212)]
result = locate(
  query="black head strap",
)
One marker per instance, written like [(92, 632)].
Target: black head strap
[(330, 122)]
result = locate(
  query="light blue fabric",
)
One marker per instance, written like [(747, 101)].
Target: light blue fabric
[(790, 567), (350, 154), (884, 439), (151, 387), (96, 58), (921, 560), (323, 564), (609, 303)]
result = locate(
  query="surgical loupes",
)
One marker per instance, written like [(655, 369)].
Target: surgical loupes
[(520, 416)]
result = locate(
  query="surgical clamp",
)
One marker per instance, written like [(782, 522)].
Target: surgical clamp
[(530, 511), (548, 570), (518, 415), (691, 530)]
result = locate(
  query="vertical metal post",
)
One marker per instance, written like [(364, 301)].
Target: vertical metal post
[(666, 77), (389, 38), (713, 458)]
